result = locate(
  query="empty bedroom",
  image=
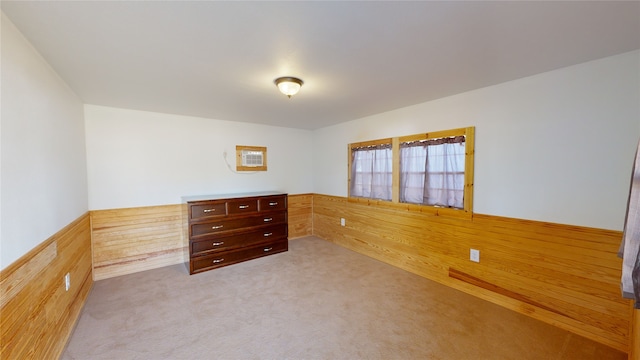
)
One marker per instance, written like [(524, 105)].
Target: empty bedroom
[(320, 180)]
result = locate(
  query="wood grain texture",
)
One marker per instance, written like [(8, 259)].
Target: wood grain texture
[(240, 167), (469, 134), (564, 275), (38, 315), (130, 240), (634, 341), (300, 215)]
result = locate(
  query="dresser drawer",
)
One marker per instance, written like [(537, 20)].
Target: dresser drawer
[(273, 218), (220, 259), (273, 203), (244, 206), (208, 210), (230, 228), (228, 224), (220, 243)]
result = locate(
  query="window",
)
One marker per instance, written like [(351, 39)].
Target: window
[(371, 170), (432, 171), (423, 171)]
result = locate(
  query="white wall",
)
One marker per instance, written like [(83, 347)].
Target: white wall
[(43, 167), (138, 158), (554, 147)]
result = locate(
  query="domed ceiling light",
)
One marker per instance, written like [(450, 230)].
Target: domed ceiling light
[(288, 85)]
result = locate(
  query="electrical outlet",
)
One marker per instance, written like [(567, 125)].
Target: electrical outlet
[(67, 282), (474, 255), (342, 222)]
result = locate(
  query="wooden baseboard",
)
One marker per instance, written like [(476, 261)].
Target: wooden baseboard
[(38, 314), (564, 275)]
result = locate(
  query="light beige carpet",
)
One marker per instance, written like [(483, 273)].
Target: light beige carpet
[(316, 301)]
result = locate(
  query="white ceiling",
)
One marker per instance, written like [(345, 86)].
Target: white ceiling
[(219, 59)]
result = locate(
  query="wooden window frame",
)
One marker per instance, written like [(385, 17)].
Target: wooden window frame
[(465, 212), (240, 148), (365, 144)]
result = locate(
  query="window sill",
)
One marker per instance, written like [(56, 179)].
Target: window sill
[(425, 209)]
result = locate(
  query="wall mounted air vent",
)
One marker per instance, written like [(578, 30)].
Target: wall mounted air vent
[(251, 158)]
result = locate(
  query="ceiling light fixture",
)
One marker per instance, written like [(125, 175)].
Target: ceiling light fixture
[(288, 85)]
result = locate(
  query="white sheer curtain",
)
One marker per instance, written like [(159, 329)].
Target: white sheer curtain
[(630, 246), (371, 172), (432, 172), (412, 165)]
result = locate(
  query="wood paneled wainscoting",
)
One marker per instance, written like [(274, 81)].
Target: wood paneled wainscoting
[(38, 314), (300, 215), (130, 240), (564, 275)]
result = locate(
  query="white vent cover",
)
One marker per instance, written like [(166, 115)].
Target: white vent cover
[(252, 158)]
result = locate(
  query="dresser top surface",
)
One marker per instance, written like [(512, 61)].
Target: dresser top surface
[(186, 199)]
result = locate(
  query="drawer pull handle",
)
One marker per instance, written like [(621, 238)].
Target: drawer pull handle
[(217, 261), (243, 206), (208, 210), (267, 234), (274, 203), (267, 249), (268, 219), (217, 227), (218, 243)]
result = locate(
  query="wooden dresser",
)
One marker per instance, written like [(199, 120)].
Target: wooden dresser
[(228, 229)]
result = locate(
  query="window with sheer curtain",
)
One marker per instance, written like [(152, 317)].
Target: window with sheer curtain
[(432, 172), (427, 172), (371, 171)]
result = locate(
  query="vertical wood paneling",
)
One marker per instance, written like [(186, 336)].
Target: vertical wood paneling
[(300, 212), (38, 314), (564, 275), (130, 240)]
